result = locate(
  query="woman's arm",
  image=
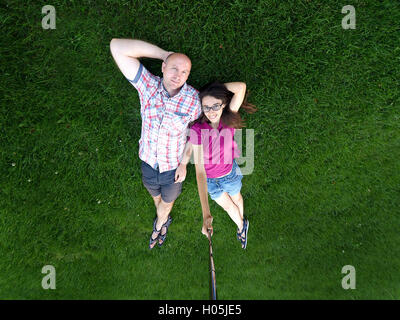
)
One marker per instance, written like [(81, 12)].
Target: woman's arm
[(239, 90), (201, 178)]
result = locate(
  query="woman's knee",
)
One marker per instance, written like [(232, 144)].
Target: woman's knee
[(237, 199), (226, 203)]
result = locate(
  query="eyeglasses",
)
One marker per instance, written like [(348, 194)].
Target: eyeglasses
[(215, 107)]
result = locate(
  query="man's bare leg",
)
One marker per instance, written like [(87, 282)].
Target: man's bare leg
[(163, 211), (157, 200)]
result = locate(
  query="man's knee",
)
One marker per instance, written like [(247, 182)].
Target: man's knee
[(166, 207), (157, 198)]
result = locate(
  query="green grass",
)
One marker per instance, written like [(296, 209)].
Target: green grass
[(325, 191)]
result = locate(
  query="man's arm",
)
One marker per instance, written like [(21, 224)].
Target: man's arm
[(126, 53), (187, 153), (180, 173)]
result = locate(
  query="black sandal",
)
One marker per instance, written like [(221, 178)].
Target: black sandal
[(162, 237), (151, 237), (245, 229)]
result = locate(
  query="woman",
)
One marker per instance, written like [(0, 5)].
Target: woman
[(214, 151)]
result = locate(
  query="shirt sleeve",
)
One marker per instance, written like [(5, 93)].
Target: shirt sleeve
[(197, 108), (195, 135), (145, 83)]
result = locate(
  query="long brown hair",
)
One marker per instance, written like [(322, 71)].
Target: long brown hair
[(219, 91)]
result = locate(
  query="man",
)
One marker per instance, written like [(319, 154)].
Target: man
[(167, 106)]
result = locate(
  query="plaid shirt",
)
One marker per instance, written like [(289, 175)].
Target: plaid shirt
[(164, 120)]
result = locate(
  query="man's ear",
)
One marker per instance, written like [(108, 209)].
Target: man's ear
[(163, 65)]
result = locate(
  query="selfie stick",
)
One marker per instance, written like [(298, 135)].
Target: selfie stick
[(212, 270)]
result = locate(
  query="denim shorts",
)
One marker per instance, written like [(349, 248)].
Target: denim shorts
[(161, 183), (231, 183)]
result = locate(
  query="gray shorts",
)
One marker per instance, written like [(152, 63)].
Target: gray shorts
[(161, 183)]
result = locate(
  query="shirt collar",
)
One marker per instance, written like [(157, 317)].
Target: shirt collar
[(220, 126), (162, 89)]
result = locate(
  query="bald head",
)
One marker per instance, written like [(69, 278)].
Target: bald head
[(176, 69), (179, 58)]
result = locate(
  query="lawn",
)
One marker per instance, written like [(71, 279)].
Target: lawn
[(324, 192)]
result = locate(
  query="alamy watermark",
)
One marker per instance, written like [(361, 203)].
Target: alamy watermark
[(49, 20), (349, 281), (49, 281), (349, 20), (222, 140)]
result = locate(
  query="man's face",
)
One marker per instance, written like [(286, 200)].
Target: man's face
[(176, 71)]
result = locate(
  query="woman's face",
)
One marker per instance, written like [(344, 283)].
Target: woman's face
[(213, 116)]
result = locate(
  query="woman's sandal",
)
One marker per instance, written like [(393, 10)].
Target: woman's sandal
[(162, 237), (240, 237), (158, 235)]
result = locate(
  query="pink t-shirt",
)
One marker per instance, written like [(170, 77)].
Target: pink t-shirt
[(219, 147)]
